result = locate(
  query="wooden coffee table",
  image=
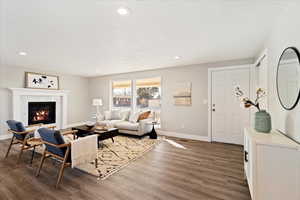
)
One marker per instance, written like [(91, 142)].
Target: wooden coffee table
[(85, 130)]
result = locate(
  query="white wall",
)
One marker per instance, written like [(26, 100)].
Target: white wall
[(78, 105), (285, 34), (191, 120)]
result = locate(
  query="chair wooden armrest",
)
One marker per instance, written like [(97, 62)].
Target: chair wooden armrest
[(33, 125), (58, 145), (69, 132), (51, 126), (40, 125), (21, 133)]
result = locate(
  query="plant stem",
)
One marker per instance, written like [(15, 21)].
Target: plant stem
[(257, 106)]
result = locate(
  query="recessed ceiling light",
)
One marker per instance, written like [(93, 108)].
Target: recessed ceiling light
[(123, 11), (176, 57), (22, 53)]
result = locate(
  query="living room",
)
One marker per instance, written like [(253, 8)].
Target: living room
[(136, 99)]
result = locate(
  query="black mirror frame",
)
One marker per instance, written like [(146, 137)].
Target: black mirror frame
[(298, 97)]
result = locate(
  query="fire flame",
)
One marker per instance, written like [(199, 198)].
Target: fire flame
[(41, 115)]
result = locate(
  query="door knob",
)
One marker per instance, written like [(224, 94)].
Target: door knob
[(213, 110)]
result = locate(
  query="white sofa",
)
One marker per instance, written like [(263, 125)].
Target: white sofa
[(126, 124)]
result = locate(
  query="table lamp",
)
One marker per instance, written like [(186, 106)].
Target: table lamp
[(98, 103)]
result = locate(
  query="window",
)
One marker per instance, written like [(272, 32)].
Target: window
[(148, 96), (121, 93)]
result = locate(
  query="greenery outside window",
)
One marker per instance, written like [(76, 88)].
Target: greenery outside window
[(148, 96), (148, 93)]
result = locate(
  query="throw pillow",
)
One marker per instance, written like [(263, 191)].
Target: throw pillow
[(144, 115), (125, 115), (134, 117), (115, 114), (107, 115), (99, 117)]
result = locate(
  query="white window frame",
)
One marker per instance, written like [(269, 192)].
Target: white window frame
[(133, 106), (111, 107)]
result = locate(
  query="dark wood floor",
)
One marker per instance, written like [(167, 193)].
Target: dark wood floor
[(201, 171)]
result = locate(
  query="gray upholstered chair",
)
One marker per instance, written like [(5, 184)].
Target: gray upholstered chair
[(57, 148), (20, 136)]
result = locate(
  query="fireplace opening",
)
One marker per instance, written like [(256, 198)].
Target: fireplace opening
[(41, 112)]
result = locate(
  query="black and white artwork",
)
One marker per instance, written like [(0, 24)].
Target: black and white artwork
[(41, 81)]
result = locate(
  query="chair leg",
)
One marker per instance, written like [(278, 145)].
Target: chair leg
[(11, 143), (62, 168), (21, 152), (32, 155), (41, 164), (60, 175)]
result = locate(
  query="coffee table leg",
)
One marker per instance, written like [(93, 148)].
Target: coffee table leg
[(112, 139)]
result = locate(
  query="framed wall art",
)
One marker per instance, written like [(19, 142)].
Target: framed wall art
[(41, 81), (183, 94)]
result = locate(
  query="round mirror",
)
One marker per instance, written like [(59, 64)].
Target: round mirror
[(288, 74)]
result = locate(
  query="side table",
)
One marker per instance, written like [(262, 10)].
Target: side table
[(153, 134)]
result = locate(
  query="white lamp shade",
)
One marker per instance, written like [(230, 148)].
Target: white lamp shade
[(97, 102)]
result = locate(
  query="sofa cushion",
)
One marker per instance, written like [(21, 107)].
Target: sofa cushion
[(53, 137), (109, 122), (18, 127), (107, 115), (116, 115), (127, 126), (125, 115), (134, 117)]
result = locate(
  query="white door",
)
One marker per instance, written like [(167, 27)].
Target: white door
[(227, 116)]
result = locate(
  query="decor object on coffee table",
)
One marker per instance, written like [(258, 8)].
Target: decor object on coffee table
[(262, 118), (41, 81), (98, 103)]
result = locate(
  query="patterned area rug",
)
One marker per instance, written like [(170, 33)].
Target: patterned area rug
[(114, 156)]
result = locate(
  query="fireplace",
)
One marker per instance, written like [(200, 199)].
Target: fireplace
[(41, 112)]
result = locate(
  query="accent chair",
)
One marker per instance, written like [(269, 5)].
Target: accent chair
[(56, 147), (20, 136)]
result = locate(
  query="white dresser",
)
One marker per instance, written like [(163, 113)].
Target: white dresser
[(272, 166)]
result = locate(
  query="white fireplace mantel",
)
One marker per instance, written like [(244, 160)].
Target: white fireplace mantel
[(18, 95)]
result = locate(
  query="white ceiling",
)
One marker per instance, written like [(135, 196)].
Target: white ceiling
[(88, 37)]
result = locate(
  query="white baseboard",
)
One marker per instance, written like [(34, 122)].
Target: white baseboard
[(183, 135), (5, 136)]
